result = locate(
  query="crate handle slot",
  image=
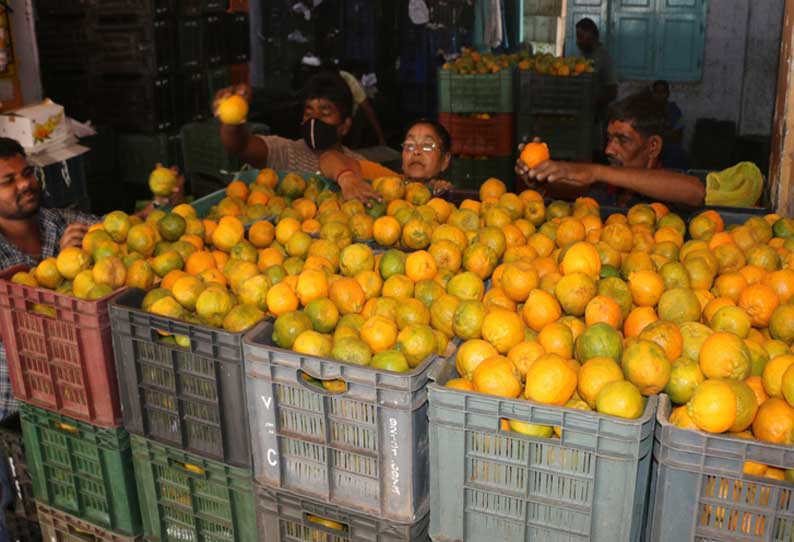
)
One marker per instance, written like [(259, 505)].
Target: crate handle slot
[(42, 310), (314, 384), (504, 426), (82, 534), (190, 468), (327, 524), (66, 427)]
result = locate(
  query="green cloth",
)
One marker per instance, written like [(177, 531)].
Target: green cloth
[(737, 186)]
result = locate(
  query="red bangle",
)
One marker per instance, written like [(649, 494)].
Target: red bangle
[(339, 175)]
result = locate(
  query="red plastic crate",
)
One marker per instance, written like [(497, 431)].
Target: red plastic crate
[(473, 136), (62, 363), (239, 74), (238, 6)]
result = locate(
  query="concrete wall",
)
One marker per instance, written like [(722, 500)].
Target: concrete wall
[(25, 49), (739, 69)]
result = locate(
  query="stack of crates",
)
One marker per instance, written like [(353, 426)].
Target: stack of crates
[(181, 390), (288, 36), (18, 507), (347, 466), (558, 110), (477, 110), (77, 456)]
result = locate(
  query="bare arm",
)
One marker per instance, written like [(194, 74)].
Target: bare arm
[(346, 172), (656, 184), (237, 139), (369, 111)]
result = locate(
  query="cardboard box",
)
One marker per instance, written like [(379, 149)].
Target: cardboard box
[(36, 127)]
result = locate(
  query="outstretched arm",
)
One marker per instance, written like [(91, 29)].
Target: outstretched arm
[(346, 172), (236, 139), (656, 184)]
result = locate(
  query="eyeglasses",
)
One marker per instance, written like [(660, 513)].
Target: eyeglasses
[(425, 147)]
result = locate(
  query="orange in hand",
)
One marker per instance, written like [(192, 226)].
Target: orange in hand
[(535, 154)]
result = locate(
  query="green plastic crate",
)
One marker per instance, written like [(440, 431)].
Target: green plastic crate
[(471, 173), (591, 485), (203, 205), (138, 154), (81, 469), (569, 137), (481, 93), (204, 153), (186, 497), (57, 526), (700, 491)]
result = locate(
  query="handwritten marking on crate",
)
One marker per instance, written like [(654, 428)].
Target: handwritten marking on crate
[(272, 454), (395, 447)]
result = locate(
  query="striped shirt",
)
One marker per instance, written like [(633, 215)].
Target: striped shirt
[(295, 155)]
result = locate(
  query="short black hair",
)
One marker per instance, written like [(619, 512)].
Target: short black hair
[(588, 25), (10, 148), (664, 85), (642, 112), (438, 128), (329, 85)]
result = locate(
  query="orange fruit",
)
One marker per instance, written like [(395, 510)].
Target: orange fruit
[(774, 422), (468, 319), (620, 398), (503, 329), (646, 288), (312, 284), (492, 188), (470, 354), (667, 336), (171, 277), (603, 309), (757, 385), (594, 374), (637, 320), (570, 231), (540, 309), (524, 354), (347, 295), (646, 366), (533, 154), (556, 338), (386, 231), (581, 257), (420, 265), (713, 406), (679, 305), (446, 254), (574, 291), (724, 355), (442, 311), (599, 341), (199, 261), (550, 380), (281, 299), (782, 283), (760, 301), (228, 233), (746, 406), (730, 285), (186, 290), (459, 384), (416, 342), (139, 275), (731, 319), (518, 280), (497, 376), (774, 370), (715, 305), (379, 333), (416, 234), (685, 377)]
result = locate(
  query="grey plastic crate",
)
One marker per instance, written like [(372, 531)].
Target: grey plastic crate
[(363, 450), (191, 397), (284, 517), (485, 484), (700, 492)]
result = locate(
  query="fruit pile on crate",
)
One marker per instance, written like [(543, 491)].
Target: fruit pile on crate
[(275, 363)]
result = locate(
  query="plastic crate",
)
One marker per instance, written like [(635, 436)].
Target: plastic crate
[(204, 153), (364, 449), (141, 152), (134, 43), (480, 137), (21, 529), (482, 93), (46, 8), (192, 96), (240, 74), (186, 497), (22, 503), (213, 39), (284, 517), (486, 484), (81, 469), (217, 79), (63, 183), (62, 363), (237, 38), (237, 6), (148, 8), (700, 491), (569, 137), (194, 8), (189, 37), (57, 526), (470, 173), (550, 94), (64, 43), (135, 102), (186, 397)]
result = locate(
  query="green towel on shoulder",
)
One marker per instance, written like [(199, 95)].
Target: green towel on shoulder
[(737, 186)]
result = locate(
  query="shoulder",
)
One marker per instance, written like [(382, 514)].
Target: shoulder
[(278, 141)]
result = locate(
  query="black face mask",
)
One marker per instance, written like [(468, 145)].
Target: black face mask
[(319, 135)]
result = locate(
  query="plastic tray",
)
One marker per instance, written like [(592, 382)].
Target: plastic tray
[(700, 491), (64, 363), (569, 137), (284, 517), (486, 484), (186, 397), (470, 173), (186, 497), (81, 469), (23, 503), (482, 93), (550, 94), (57, 526), (364, 449), (480, 137)]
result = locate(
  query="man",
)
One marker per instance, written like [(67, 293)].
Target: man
[(327, 113), (605, 84), (636, 131)]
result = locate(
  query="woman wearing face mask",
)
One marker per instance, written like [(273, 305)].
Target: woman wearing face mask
[(327, 110), (425, 157)]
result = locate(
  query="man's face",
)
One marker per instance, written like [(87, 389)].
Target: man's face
[(20, 192), (326, 111), (626, 147), (585, 40)]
